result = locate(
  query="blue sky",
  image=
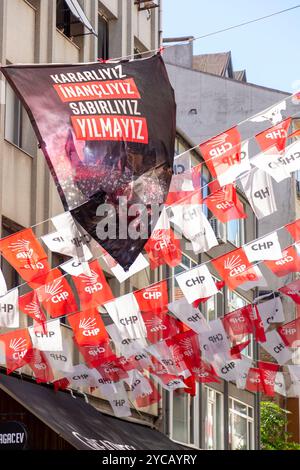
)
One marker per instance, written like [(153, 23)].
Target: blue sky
[(269, 50)]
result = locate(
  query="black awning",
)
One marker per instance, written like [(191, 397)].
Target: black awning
[(81, 424)]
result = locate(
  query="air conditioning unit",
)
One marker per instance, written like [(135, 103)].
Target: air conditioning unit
[(219, 229)]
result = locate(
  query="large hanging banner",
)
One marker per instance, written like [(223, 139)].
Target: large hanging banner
[(107, 132)]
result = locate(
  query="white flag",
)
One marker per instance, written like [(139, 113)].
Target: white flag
[(182, 176), (272, 114), (276, 347), (9, 309), (139, 264), (49, 341), (138, 384), (226, 369), (242, 368), (279, 384), (271, 311), (61, 360), (189, 315), (107, 387), (128, 346), (197, 283), (235, 170), (82, 376), (258, 186), (125, 313), (61, 242), (214, 342), (295, 374), (172, 385), (291, 157), (264, 248), (120, 403), (259, 281), (270, 161), (3, 286), (192, 223)]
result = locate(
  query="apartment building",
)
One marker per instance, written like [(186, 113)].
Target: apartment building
[(217, 98), (42, 31)]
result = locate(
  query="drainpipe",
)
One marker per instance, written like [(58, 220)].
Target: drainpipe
[(160, 30)]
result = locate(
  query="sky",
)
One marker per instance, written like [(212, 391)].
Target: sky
[(269, 50)]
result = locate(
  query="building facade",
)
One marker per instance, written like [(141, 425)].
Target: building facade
[(220, 416), (218, 98)]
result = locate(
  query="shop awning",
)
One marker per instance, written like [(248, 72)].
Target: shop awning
[(81, 424)]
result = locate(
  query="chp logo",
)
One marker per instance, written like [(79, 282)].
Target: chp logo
[(286, 258), (19, 346), (220, 145), (234, 265), (91, 282), (89, 326), (56, 292), (24, 252), (33, 309), (163, 240), (220, 198), (155, 325), (187, 346), (152, 293)]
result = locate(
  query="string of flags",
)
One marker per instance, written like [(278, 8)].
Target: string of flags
[(131, 344)]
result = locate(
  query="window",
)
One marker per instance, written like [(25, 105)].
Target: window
[(213, 308), (214, 427), (18, 128), (69, 24), (102, 38), (184, 418), (236, 231), (241, 426), (234, 302)]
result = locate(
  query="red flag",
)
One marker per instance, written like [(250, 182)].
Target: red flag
[(24, 252), (88, 327), (235, 268), (94, 356), (163, 248), (235, 351), (61, 384), (219, 285), (185, 350), (222, 151), (17, 345), (30, 305), (40, 366), (268, 373), (160, 326), (238, 323), (154, 298), (112, 369), (274, 136), (224, 202), (254, 380), (258, 326), (294, 229), (148, 399), (56, 296), (204, 373), (289, 263), (190, 383), (292, 290), (93, 290), (290, 332)]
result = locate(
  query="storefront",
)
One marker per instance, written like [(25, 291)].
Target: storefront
[(56, 420)]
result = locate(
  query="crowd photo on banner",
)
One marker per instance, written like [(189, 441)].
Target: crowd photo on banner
[(130, 312)]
